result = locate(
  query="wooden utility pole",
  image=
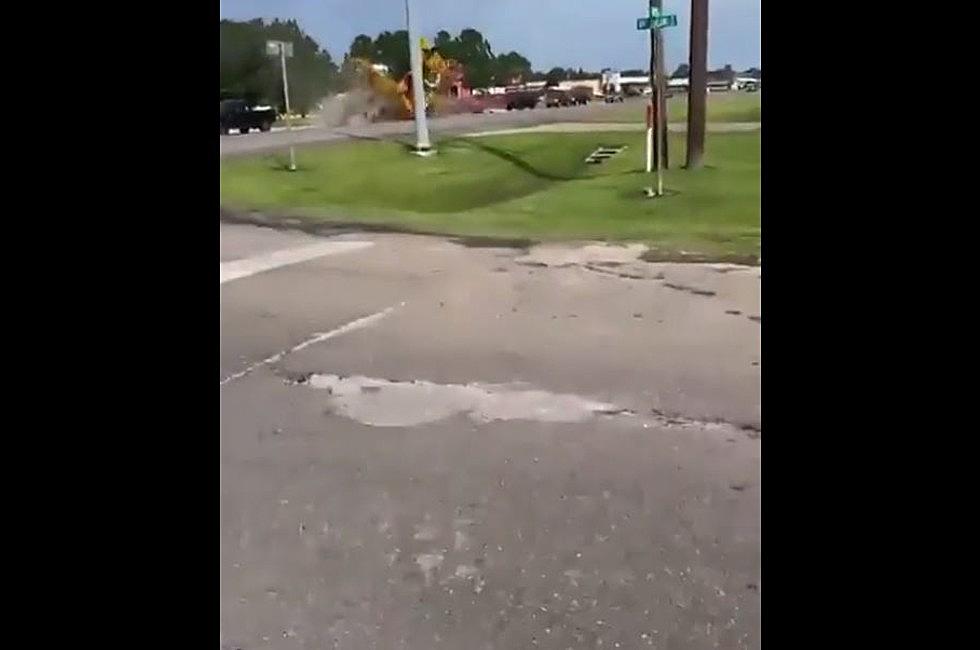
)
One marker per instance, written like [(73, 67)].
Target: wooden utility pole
[(661, 91), (697, 90), (654, 105)]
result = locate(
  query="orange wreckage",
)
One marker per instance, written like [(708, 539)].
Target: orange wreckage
[(443, 82)]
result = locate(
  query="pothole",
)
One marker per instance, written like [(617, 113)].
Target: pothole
[(386, 403), (559, 256)]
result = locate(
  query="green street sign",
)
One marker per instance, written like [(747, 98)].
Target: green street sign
[(654, 12), (657, 22)]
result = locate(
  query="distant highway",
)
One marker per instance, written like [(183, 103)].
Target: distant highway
[(231, 145)]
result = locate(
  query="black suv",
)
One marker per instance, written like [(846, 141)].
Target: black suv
[(241, 115)]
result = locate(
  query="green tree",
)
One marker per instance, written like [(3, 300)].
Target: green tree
[(470, 48), (362, 47), (446, 45), (682, 72), (511, 66), (246, 71), (473, 47), (555, 76), (391, 49), (242, 61)]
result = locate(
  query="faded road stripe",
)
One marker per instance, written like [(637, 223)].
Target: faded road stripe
[(237, 269), (319, 337)]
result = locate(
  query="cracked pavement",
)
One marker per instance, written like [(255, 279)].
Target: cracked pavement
[(425, 445)]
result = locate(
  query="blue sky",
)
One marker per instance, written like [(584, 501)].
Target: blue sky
[(591, 34)]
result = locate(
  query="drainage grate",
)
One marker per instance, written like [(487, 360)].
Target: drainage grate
[(602, 154)]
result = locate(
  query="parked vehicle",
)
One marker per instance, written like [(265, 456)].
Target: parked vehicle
[(613, 98), (555, 98), (522, 99), (243, 116), (580, 95)]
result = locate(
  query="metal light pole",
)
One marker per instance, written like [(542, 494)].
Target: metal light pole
[(284, 49), (289, 112), (422, 145)]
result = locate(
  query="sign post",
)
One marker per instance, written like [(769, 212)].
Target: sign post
[(653, 132), (656, 122), (284, 49), (661, 95)]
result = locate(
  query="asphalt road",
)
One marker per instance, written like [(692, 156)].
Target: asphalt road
[(450, 125), (425, 445)]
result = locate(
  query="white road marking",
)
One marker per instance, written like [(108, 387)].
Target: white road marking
[(243, 268), (281, 129), (319, 337)]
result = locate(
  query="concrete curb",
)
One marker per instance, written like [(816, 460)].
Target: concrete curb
[(334, 228)]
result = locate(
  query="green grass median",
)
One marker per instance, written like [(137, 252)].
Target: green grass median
[(721, 107), (535, 186)]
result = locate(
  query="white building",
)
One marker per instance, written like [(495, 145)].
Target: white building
[(614, 82), (610, 81)]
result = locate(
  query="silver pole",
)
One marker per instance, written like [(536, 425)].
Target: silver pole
[(289, 120), (422, 145)]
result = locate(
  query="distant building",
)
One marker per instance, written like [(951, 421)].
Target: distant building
[(610, 81), (454, 82), (614, 82), (722, 80)]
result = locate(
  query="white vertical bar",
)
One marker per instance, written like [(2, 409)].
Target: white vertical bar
[(289, 120), (418, 89)]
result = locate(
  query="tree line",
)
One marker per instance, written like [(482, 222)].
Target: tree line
[(470, 48), (247, 72)]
